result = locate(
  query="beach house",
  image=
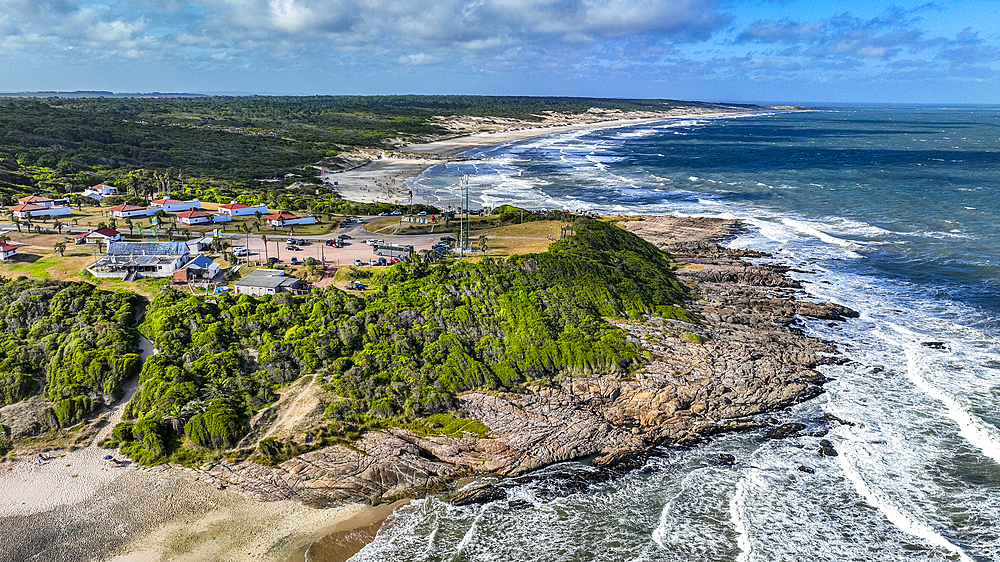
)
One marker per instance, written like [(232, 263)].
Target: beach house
[(284, 218), (199, 268), (103, 235), (127, 210), (130, 260), (175, 205), (240, 210), (7, 251), (198, 216), (36, 206), (263, 281), (100, 191)]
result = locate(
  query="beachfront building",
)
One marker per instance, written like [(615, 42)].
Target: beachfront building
[(175, 205), (263, 281), (130, 260), (7, 251), (100, 191), (199, 268), (196, 245), (127, 210), (284, 218), (25, 211), (104, 235), (198, 216), (235, 209)]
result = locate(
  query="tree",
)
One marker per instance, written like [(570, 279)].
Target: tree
[(17, 223), (263, 238), (113, 223), (60, 248), (130, 225), (482, 244), (4, 238), (58, 226)]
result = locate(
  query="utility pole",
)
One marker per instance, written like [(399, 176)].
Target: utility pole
[(463, 237)]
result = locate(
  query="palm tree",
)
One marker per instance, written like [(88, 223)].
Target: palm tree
[(58, 226), (128, 223), (17, 223), (4, 238), (263, 238), (60, 247)]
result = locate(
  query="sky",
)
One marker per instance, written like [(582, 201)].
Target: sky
[(773, 51)]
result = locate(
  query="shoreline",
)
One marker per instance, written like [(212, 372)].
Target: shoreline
[(386, 176)]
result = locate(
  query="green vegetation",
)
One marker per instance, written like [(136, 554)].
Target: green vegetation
[(400, 355), (76, 341)]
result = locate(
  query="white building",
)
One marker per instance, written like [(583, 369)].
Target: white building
[(126, 210), (100, 191), (198, 216), (129, 260), (104, 235), (7, 251), (240, 210), (33, 210), (283, 218), (175, 205)]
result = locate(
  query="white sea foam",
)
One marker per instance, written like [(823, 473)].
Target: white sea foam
[(736, 517)]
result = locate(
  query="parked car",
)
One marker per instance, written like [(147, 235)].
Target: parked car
[(273, 260), (294, 260), (291, 241), (382, 261), (241, 252), (358, 262), (329, 242), (449, 239), (373, 262), (355, 286), (301, 242), (292, 247), (383, 214), (395, 213), (344, 236)]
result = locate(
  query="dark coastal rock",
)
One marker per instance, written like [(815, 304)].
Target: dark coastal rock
[(478, 495), (784, 430), (726, 459), (841, 421), (935, 344), (807, 469), (826, 448), (625, 459)]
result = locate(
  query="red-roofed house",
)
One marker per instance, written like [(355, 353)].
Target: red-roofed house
[(22, 210), (175, 205), (37, 200), (100, 191), (103, 235), (240, 210), (198, 216), (284, 218), (125, 210), (7, 251)]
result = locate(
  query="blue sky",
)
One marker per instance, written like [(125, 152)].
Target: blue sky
[(943, 51)]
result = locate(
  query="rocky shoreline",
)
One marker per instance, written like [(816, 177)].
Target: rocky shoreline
[(742, 359)]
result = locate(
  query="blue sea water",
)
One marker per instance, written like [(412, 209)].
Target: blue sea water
[(892, 211)]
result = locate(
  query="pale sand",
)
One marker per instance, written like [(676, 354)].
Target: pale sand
[(389, 179), (77, 506)]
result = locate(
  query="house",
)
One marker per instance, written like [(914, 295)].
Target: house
[(196, 245), (284, 218), (197, 216), (7, 251), (104, 235), (200, 268), (240, 210), (26, 210), (263, 281), (175, 205), (129, 260), (37, 200), (126, 210), (100, 191)]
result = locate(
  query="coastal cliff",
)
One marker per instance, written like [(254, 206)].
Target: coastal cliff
[(739, 356)]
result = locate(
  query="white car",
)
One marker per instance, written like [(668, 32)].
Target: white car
[(241, 252)]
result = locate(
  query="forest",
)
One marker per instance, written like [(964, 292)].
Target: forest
[(400, 354), (63, 145)]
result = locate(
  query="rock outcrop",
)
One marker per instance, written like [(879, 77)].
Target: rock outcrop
[(741, 358)]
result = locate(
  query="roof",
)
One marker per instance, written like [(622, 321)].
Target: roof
[(199, 262), (34, 199), (268, 279), (148, 248), (26, 207), (106, 231), (281, 215), (5, 247), (204, 240), (234, 205), (166, 201), (193, 214), (125, 207)]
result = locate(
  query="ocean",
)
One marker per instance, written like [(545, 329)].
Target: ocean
[(892, 211)]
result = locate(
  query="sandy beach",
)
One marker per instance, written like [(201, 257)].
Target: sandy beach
[(387, 178)]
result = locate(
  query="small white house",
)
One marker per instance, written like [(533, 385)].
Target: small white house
[(7, 251), (100, 191), (283, 218), (175, 205), (37, 200), (103, 235), (33, 210), (125, 210), (198, 216), (240, 210)]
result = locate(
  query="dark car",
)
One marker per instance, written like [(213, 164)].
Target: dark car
[(329, 242), (382, 261), (292, 248), (273, 260)]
